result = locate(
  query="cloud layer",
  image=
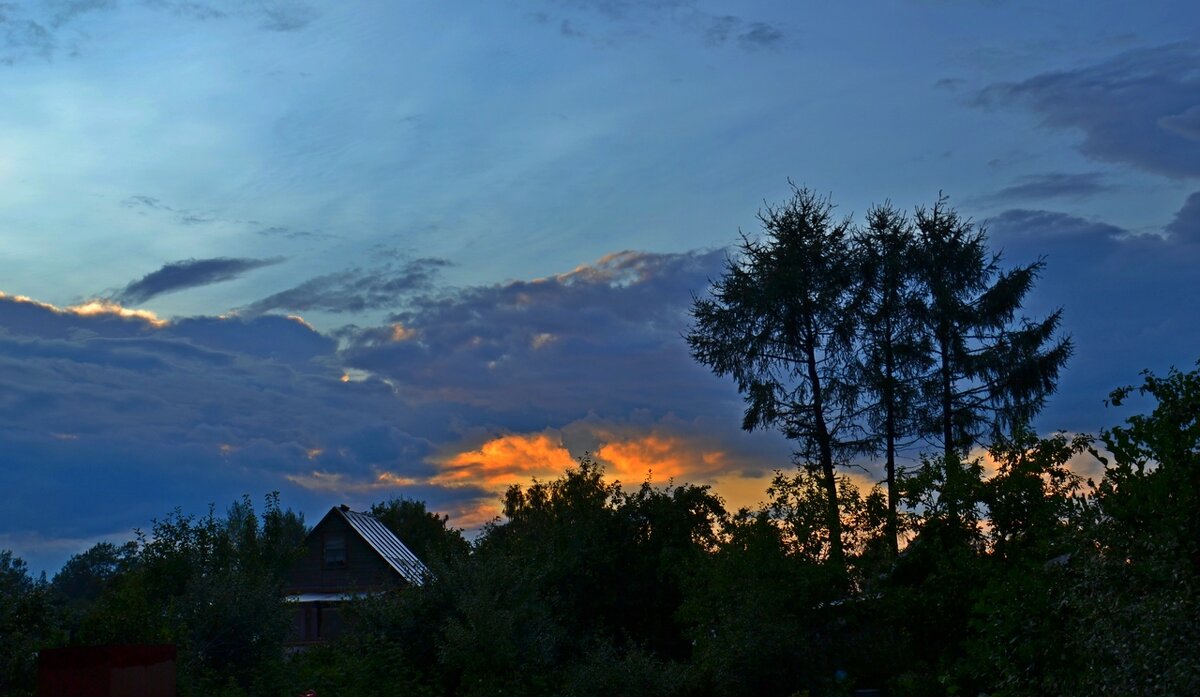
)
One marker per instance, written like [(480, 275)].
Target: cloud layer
[(460, 394)]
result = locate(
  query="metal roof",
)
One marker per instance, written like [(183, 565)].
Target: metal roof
[(324, 597), (385, 542)]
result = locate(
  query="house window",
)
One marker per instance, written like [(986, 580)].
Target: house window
[(335, 551)]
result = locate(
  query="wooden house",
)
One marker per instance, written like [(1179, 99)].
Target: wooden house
[(347, 555)]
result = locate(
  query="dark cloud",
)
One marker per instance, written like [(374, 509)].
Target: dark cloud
[(1053, 185), (720, 29), (183, 413), (28, 31), (158, 414), (355, 290), (567, 29), (143, 201), (1138, 108), (281, 15), (187, 8), (591, 340), (625, 18), (189, 273), (1186, 123), (292, 234), (950, 84), (1123, 296), (760, 35), (22, 37), (1185, 228), (64, 11)]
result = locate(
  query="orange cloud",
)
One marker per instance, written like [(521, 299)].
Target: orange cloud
[(662, 457), (402, 333), (505, 460)]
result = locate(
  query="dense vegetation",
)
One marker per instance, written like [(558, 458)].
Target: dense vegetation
[(951, 579)]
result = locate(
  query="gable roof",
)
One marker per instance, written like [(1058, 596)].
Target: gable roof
[(385, 543)]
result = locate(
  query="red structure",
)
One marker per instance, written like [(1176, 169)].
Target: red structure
[(107, 671)]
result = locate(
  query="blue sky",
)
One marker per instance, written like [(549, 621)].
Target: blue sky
[(486, 219)]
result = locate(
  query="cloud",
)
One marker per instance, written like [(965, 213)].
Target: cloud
[(507, 459), (1185, 228), (760, 35), (281, 15), (150, 205), (198, 409), (189, 273), (355, 290), (182, 216), (625, 18), (22, 38), (1053, 185), (30, 30), (1137, 108), (1122, 295), (591, 339), (64, 11), (290, 234)]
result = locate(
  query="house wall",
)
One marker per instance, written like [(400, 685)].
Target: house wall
[(365, 570)]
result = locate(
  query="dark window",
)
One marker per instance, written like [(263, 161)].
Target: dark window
[(335, 551)]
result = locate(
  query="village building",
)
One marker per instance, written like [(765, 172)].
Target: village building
[(346, 555)]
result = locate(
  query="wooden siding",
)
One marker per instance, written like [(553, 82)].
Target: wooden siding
[(365, 570)]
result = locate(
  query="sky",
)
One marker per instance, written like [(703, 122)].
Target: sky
[(351, 251)]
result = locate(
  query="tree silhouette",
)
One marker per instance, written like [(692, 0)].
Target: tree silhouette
[(779, 322)]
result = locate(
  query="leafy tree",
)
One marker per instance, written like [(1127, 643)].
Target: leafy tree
[(1134, 603), (779, 322), (1035, 511), (27, 623), (86, 576), (212, 586)]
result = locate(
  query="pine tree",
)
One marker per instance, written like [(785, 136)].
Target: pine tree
[(780, 322), (990, 371), (894, 348)]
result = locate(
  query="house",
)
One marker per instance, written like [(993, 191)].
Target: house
[(347, 555)]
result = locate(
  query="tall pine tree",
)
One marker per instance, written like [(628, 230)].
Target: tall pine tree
[(894, 348), (780, 322), (990, 371)]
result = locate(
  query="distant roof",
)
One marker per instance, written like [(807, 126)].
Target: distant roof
[(324, 597), (386, 544)]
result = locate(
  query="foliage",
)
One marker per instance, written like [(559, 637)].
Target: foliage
[(27, 622), (210, 585)]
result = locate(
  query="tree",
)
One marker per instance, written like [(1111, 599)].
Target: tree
[(424, 532), (27, 623), (212, 586), (779, 322), (990, 372), (893, 342)]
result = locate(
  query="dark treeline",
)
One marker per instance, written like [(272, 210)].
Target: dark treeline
[(863, 345)]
